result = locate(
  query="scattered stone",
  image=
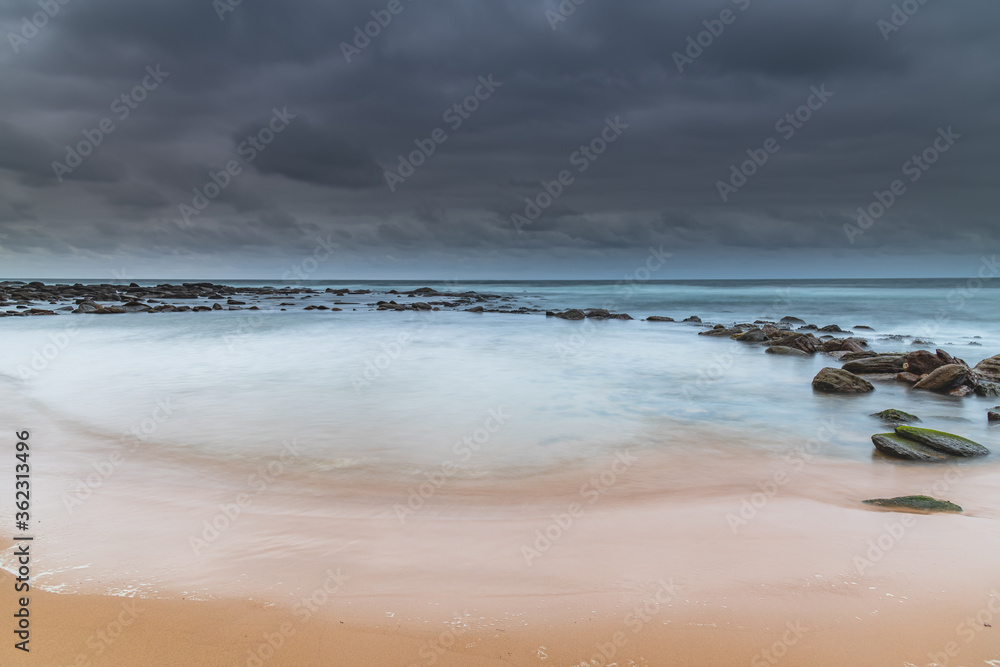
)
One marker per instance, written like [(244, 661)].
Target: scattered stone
[(893, 416), (839, 381), (915, 503), (943, 442)]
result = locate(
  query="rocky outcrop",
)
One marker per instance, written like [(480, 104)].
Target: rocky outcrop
[(658, 318), (721, 331), (915, 503), (839, 381), (754, 335)]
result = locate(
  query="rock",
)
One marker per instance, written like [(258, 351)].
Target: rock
[(918, 341), (898, 447), (893, 416), (479, 309), (720, 331), (922, 362), (572, 314), (805, 342), (693, 318), (862, 326), (854, 356), (916, 503), (832, 328), (961, 392), (908, 377), (233, 302), (943, 442), (216, 306), (752, 336), (621, 316), (839, 381), (135, 307), (598, 313), (787, 351), (993, 415), (944, 378), (657, 318), (989, 369), (882, 363), (792, 320), (988, 389)]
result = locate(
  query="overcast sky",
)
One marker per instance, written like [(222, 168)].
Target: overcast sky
[(200, 78)]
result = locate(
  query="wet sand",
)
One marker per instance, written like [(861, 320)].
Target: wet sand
[(656, 564)]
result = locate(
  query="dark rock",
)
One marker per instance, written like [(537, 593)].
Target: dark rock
[(961, 392), (479, 309), (598, 313), (572, 314), (621, 316), (894, 416), (839, 381), (943, 442), (944, 378), (792, 320), (922, 362), (993, 415), (721, 331), (752, 336), (883, 363), (915, 503), (135, 307), (854, 356), (988, 389), (805, 342), (918, 341), (862, 326), (787, 351), (657, 318), (908, 377), (832, 328), (693, 318), (216, 306)]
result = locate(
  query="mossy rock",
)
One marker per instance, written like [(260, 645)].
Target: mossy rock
[(894, 416), (898, 447), (943, 442), (915, 503)]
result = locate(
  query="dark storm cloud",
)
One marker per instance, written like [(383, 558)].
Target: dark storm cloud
[(656, 184)]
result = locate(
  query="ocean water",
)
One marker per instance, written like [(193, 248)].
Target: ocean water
[(145, 426)]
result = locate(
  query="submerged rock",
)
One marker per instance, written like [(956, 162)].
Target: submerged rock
[(916, 503), (948, 443), (839, 381), (994, 414), (896, 416), (693, 318), (787, 351), (753, 336), (658, 318)]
